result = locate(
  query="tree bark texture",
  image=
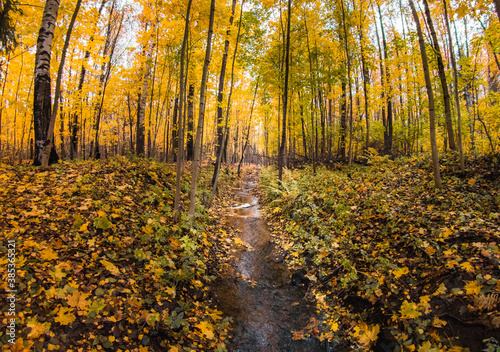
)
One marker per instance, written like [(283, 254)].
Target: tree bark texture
[(42, 104)]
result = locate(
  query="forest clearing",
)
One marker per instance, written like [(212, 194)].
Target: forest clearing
[(250, 175)]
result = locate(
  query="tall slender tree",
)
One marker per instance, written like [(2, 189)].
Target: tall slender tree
[(430, 96), (442, 78), (180, 131), (282, 150), (201, 113)]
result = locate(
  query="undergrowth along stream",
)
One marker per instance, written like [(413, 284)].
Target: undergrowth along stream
[(393, 263)]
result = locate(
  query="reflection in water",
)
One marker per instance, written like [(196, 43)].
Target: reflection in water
[(265, 307)]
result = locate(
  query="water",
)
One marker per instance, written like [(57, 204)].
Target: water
[(260, 298)]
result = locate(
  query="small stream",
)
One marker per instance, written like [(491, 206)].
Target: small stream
[(260, 298)]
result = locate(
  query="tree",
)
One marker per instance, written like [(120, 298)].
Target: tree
[(282, 150), (220, 93), (201, 113), (430, 96), (442, 78), (7, 25), (180, 132), (42, 105)]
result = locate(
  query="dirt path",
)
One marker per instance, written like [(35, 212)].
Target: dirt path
[(264, 304)]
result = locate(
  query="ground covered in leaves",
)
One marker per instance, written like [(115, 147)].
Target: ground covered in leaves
[(100, 263), (393, 263)]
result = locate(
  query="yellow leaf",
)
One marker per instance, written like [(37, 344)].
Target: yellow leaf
[(472, 181), (65, 316), (78, 300), (110, 267), (275, 210), (206, 329), (19, 346), (173, 349), (430, 250), (467, 266), (58, 274), (37, 328), (111, 338), (366, 334), (334, 327), (438, 323), (427, 347), (472, 288), (409, 310), (48, 254), (400, 272)]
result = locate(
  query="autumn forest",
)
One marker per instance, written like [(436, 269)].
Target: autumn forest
[(139, 141)]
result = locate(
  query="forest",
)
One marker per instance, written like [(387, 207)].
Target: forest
[(137, 136)]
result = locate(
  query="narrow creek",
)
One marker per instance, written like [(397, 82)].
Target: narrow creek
[(259, 295)]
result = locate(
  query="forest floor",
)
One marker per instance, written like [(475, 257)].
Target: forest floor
[(100, 265), (389, 262), (393, 263)]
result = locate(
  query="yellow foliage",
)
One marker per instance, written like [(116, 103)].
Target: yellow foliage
[(366, 334)]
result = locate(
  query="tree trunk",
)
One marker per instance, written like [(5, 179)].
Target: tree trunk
[(141, 115), (220, 93), (109, 49), (46, 153), (180, 132), (442, 78), (497, 8), (348, 62), (366, 82), (430, 95), (282, 150), (73, 139), (388, 132), (201, 113), (42, 104), (456, 93), (190, 124), (215, 177), (343, 121), (249, 125), (175, 127)]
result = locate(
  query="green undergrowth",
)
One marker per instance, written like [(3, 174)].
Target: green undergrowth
[(100, 263), (389, 258)]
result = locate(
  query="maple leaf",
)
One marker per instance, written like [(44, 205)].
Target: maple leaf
[(37, 328), (48, 254), (427, 347), (366, 334), (400, 272), (409, 310), (472, 288), (19, 346), (65, 316), (206, 329), (110, 267), (438, 323), (78, 300), (467, 266), (97, 306), (102, 222), (58, 274)]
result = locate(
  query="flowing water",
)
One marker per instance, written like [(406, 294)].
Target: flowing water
[(260, 297)]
